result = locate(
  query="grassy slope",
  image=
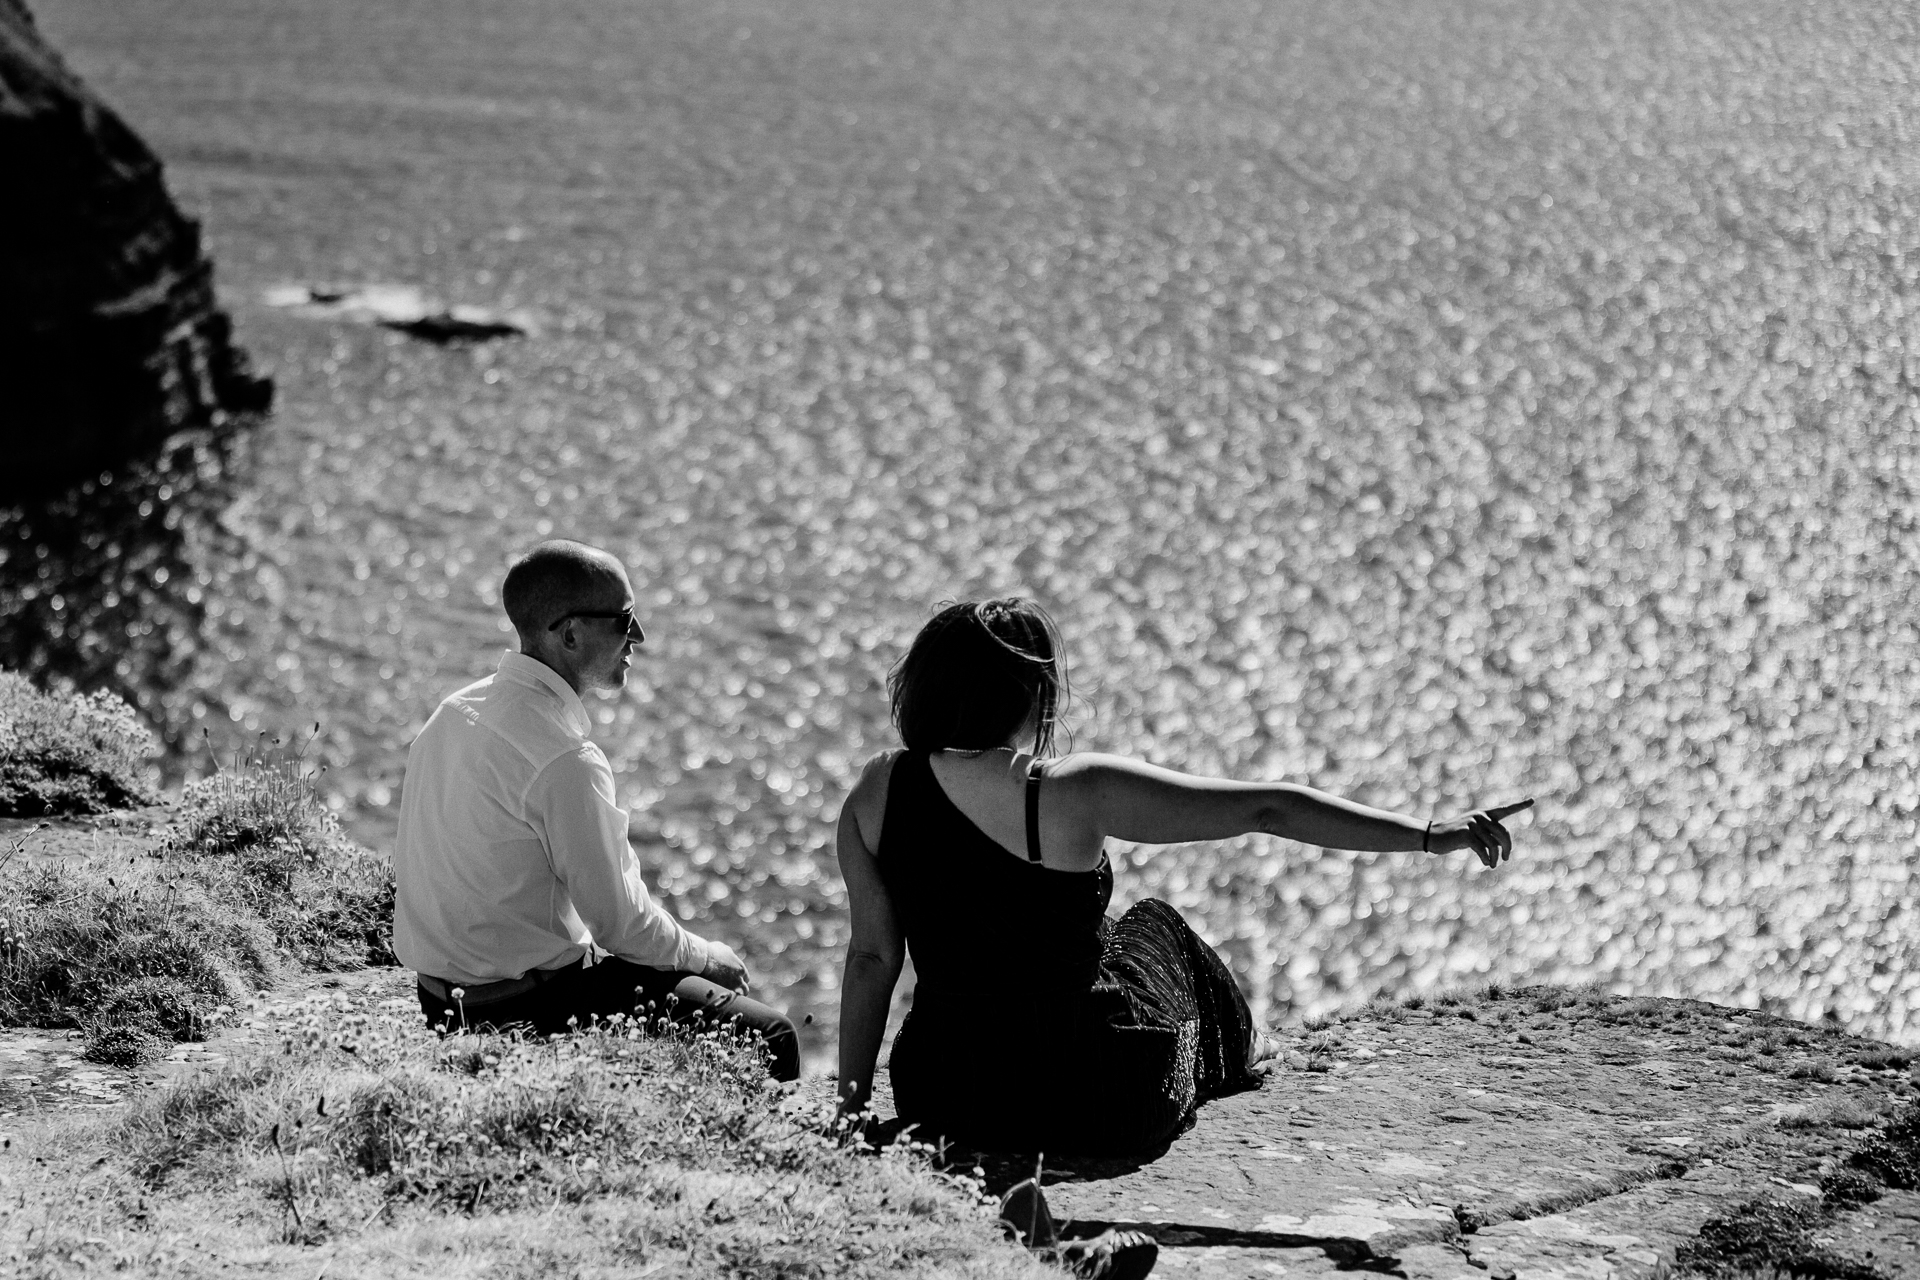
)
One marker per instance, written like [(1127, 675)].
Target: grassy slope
[(358, 1144), (345, 1135), (139, 942)]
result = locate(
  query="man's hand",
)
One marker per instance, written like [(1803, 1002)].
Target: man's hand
[(725, 968), (1480, 831)]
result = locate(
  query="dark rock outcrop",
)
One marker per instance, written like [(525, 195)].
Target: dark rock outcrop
[(110, 337), (123, 400)]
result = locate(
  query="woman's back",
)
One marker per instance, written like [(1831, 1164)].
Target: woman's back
[(979, 918), (1036, 1020)]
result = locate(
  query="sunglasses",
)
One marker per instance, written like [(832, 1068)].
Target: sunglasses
[(625, 617)]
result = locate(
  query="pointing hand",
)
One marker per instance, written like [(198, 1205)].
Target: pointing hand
[(1480, 831)]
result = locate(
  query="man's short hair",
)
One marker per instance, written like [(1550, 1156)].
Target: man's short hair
[(551, 581)]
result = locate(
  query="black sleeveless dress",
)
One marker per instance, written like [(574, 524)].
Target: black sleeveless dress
[(1038, 1024)]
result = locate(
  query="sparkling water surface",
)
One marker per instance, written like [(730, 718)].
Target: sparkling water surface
[(1436, 403)]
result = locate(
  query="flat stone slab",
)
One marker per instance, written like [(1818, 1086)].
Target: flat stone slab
[(1535, 1135)]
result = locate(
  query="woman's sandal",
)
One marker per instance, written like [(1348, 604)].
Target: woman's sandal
[(1111, 1255)]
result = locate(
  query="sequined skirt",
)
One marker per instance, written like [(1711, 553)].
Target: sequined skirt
[(1114, 1068)]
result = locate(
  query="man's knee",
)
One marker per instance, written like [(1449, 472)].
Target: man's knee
[(775, 1029), (697, 1000), (782, 1039)]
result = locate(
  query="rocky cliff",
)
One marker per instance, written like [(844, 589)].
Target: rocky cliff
[(122, 395), (110, 337)]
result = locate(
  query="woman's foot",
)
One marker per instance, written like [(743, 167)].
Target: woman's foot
[(1111, 1255)]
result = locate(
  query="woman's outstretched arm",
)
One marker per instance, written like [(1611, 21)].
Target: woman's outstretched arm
[(1145, 804), (877, 951)]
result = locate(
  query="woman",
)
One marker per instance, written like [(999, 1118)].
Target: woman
[(1037, 1023)]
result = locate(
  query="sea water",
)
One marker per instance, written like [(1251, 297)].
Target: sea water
[(1435, 404)]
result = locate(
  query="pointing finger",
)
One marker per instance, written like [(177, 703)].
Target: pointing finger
[(1506, 810)]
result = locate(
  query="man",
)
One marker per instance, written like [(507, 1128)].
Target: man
[(518, 897)]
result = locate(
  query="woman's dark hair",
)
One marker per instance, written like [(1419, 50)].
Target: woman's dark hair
[(974, 674)]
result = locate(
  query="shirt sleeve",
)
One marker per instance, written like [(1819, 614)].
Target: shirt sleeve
[(570, 805)]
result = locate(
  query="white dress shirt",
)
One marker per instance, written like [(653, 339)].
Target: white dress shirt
[(512, 855)]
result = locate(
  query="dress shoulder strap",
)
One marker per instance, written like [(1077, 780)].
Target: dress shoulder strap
[(1033, 809)]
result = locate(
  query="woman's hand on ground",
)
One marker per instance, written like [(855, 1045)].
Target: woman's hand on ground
[(1480, 831)]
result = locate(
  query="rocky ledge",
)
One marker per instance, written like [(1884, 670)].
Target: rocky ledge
[(1535, 1134)]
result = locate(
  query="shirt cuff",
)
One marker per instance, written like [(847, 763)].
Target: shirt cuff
[(694, 954)]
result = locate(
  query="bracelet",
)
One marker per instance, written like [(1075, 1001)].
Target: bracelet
[(1426, 836)]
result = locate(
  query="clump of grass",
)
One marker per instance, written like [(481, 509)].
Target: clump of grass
[(261, 837), (1893, 1155), (472, 1119), (1820, 1071), (1380, 1008), (678, 1135), (1639, 1009), (1846, 1189), (1838, 1112), (262, 807), (1764, 1236), (147, 953), (66, 754), (136, 958), (1318, 1053), (1885, 1059)]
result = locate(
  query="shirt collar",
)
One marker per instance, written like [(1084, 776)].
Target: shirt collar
[(523, 670)]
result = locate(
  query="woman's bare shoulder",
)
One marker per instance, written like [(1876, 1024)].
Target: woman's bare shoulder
[(867, 802), (875, 771)]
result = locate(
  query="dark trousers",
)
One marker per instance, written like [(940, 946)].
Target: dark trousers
[(576, 995)]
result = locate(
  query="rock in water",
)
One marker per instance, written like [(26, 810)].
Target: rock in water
[(110, 337), (402, 307)]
